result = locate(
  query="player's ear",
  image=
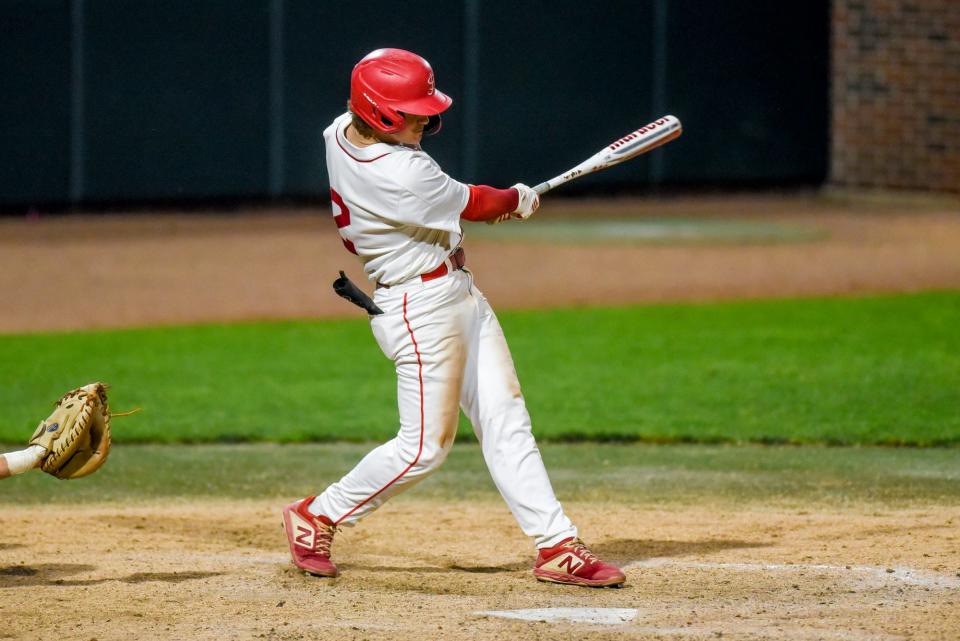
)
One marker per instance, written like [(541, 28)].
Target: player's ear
[(433, 125)]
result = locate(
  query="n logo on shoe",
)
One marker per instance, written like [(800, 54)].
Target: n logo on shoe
[(570, 560), (305, 535)]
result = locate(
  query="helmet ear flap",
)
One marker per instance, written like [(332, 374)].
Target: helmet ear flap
[(381, 118), (433, 125), (390, 120)]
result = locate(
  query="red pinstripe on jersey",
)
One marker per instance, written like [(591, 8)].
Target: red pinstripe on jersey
[(416, 349), (339, 144)]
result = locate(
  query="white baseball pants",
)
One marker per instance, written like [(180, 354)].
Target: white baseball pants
[(450, 352)]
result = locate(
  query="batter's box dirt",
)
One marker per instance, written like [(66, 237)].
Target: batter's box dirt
[(693, 573)]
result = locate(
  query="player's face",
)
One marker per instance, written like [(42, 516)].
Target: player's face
[(412, 131)]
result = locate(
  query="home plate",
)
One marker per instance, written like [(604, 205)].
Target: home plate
[(600, 616)]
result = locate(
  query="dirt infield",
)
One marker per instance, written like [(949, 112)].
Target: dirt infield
[(220, 571), (115, 271)]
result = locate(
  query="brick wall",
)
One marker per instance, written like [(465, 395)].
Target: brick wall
[(896, 94)]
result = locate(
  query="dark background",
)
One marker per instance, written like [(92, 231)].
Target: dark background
[(136, 101)]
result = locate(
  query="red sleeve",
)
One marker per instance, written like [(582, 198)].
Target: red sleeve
[(486, 203)]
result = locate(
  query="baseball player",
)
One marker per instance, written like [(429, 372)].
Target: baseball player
[(401, 215)]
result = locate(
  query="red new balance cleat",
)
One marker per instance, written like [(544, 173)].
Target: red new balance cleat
[(571, 562), (310, 538)]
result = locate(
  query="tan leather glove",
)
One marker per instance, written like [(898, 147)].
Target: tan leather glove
[(76, 437)]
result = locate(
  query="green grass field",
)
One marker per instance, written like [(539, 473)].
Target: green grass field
[(883, 370), (599, 472)]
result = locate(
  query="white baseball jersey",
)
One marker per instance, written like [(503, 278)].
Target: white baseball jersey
[(400, 214), (409, 223)]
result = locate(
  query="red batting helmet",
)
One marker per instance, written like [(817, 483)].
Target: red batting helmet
[(390, 82)]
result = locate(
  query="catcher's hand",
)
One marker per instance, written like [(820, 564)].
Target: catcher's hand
[(76, 437)]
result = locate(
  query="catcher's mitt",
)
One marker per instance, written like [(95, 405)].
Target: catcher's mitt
[(76, 436)]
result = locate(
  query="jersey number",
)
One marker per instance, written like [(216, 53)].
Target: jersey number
[(342, 219)]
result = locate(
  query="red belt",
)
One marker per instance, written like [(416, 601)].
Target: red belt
[(457, 260)]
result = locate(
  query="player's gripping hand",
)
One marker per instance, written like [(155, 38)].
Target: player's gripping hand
[(528, 203)]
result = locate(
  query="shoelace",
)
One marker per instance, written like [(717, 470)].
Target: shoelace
[(582, 550), (324, 536)]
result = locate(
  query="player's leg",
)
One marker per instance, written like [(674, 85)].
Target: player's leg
[(425, 340), (492, 400), (421, 331)]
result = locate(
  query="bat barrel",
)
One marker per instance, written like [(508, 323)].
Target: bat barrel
[(638, 142)]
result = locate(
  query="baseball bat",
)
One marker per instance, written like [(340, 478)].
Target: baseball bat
[(635, 143)]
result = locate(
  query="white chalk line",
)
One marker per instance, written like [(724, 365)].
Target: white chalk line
[(882, 575), (623, 616), (596, 616), (906, 575), (764, 632)]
